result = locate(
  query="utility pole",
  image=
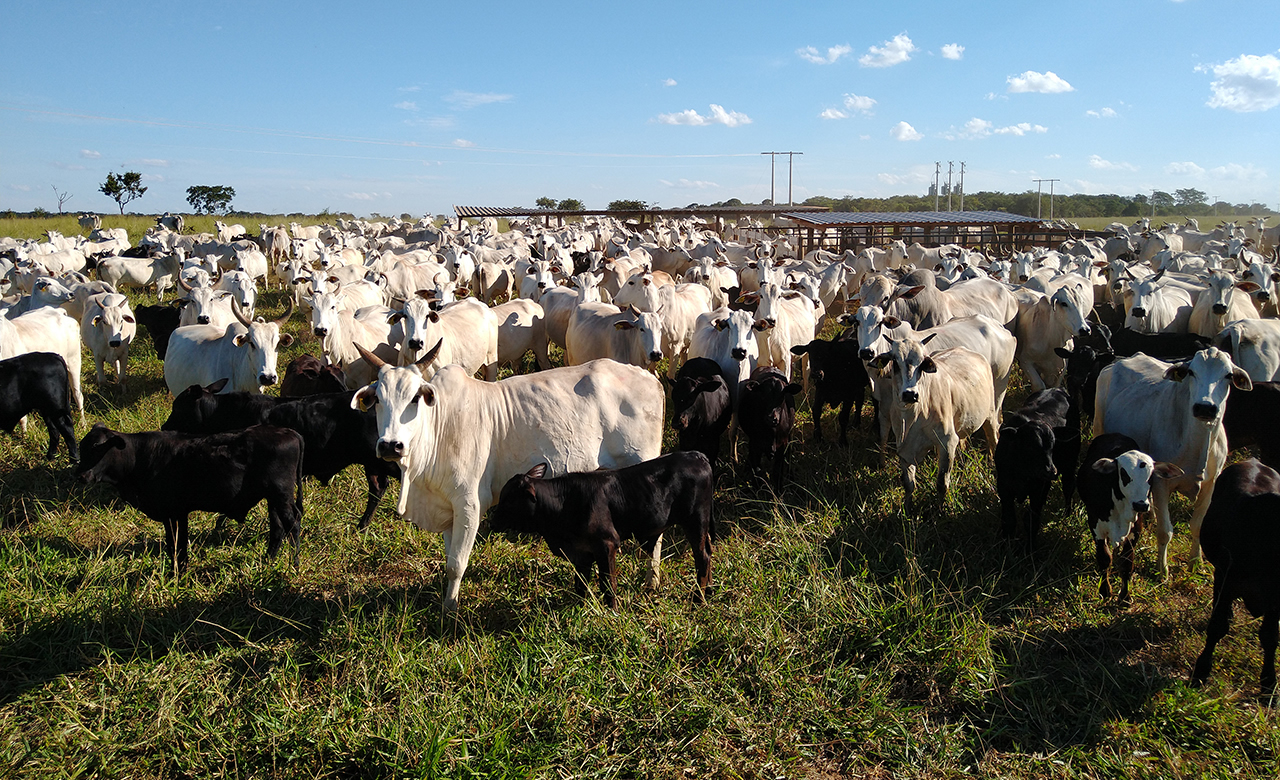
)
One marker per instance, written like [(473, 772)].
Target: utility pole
[(937, 183), (962, 185), (950, 165), (1039, 192), (790, 158)]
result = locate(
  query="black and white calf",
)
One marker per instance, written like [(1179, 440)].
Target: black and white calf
[(586, 516), (1241, 538), (1114, 483), (38, 382), (167, 476)]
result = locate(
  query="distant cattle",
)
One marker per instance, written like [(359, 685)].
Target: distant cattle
[(585, 517), (167, 476)]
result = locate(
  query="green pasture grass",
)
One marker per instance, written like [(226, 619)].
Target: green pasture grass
[(137, 224), (841, 638)]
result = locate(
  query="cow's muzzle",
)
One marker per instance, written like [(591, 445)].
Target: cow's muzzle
[(1206, 412), (739, 353), (390, 450), (910, 396), (267, 380)]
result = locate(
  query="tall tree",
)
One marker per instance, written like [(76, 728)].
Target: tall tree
[(210, 199), (545, 203), (628, 205), (63, 197), (1190, 198), (123, 188), (570, 204)]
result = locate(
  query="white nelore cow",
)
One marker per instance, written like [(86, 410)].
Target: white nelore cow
[(108, 329), (1048, 323), (522, 326), (1225, 301), (938, 401), (1174, 412), (459, 440), (244, 352), (141, 272), (678, 305), (340, 330), (602, 330), (1254, 345), (467, 333), (47, 329), (784, 318)]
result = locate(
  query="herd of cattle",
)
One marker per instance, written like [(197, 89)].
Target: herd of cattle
[(1165, 342)]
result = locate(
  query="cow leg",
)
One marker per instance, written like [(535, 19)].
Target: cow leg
[(699, 536), (946, 456), (1039, 493), (458, 544), (1219, 624), (606, 562), (653, 576), (491, 372), (1203, 499), (843, 419), (170, 539), (1268, 634), (377, 486), (1164, 527), (51, 424), (779, 467), (102, 373), (1125, 564), (1104, 568), (819, 403), (1033, 376), (908, 485)]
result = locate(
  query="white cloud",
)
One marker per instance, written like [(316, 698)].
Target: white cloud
[(20, 187), (1020, 129), (989, 96), (952, 51), (1105, 113), (1047, 83), (905, 132), (864, 138), (811, 54), (860, 103), (890, 178), (668, 82), (892, 52), (152, 177), (89, 154), (435, 122), (1054, 156), (1248, 83), (360, 195), (976, 128), (1183, 169), (1237, 172), (1097, 163), (409, 89), (466, 100), (688, 184), (406, 105), (151, 161), (718, 116), (463, 143), (833, 113)]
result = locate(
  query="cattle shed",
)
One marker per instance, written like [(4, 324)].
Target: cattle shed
[(714, 215), (840, 230)]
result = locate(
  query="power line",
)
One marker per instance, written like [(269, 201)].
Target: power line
[(772, 157), (1039, 187)]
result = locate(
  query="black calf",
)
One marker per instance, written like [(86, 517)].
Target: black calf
[(840, 379), (38, 382), (1037, 443), (700, 407), (766, 413)]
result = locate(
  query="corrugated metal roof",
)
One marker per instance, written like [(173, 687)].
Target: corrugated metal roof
[(851, 218), (517, 211)]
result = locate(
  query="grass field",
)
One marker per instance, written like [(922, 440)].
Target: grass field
[(842, 639)]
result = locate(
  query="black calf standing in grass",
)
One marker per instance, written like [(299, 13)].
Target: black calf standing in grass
[(1038, 442), (586, 516), (38, 382), (840, 379), (766, 413), (1241, 538), (701, 409)]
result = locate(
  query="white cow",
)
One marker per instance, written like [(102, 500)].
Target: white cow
[(47, 329), (1254, 345), (1156, 305), (459, 440), (141, 272), (244, 352), (784, 318), (1174, 412), (679, 307), (1225, 301), (522, 326), (340, 330), (938, 400), (467, 330), (1048, 323), (108, 329), (558, 304), (602, 330)]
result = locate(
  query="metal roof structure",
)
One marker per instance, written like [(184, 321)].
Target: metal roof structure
[(473, 212), (857, 218)]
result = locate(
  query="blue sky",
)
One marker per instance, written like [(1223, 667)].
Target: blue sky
[(413, 107)]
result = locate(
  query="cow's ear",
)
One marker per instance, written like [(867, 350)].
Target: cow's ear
[(218, 386), (1105, 358), (624, 325), (882, 360), (1240, 379), (395, 317), (912, 292), (116, 442), (462, 293), (800, 349), (892, 321), (1177, 372), (537, 472), (365, 399), (129, 319), (928, 366), (793, 388), (434, 316), (95, 322), (428, 394), (285, 339), (719, 324), (1166, 470), (241, 339), (1248, 287), (1062, 352), (1104, 466)]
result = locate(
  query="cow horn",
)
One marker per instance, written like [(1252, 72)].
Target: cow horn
[(182, 283), (369, 357), (288, 312), (235, 309), (423, 361)]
